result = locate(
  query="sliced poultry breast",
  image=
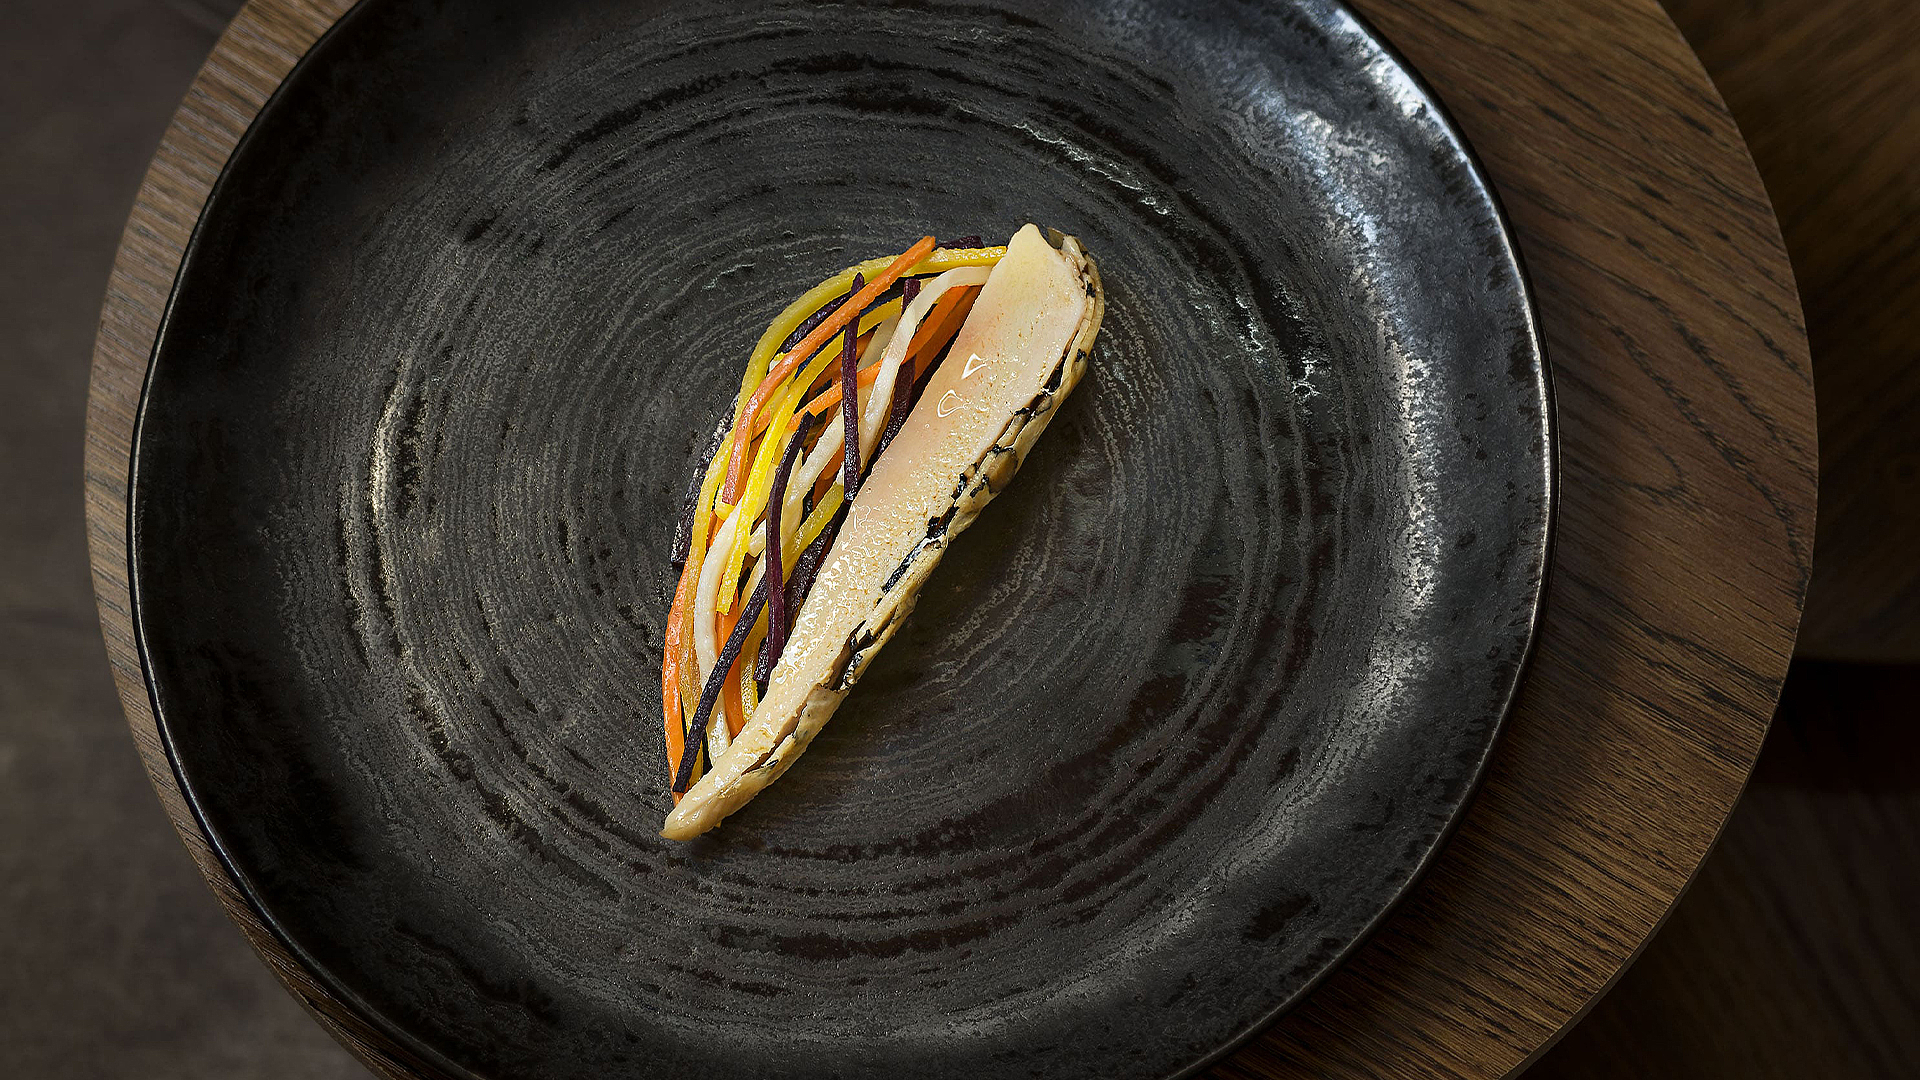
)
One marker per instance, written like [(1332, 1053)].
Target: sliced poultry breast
[(1020, 350)]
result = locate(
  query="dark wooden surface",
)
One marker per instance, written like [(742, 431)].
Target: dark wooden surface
[(1795, 954), (1828, 96), (1683, 549), (114, 964)]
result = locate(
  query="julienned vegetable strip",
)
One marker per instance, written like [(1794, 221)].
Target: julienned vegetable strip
[(683, 777), (753, 467), (707, 590), (703, 516), (683, 536), (897, 412), (776, 583), (850, 415), (730, 720), (799, 354), (670, 677)]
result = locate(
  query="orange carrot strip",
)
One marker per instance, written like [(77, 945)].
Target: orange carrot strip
[(670, 678), (736, 706), (801, 353), (831, 377), (730, 690), (830, 397), (934, 334), (939, 327)]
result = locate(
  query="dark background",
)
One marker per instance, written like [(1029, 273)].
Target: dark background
[(1794, 954), (115, 960)]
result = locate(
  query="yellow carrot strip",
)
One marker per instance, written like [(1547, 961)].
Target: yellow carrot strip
[(760, 481), (749, 693), (803, 352), (708, 486), (816, 522), (790, 317)]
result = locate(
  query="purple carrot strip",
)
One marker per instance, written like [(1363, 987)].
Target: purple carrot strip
[(695, 740), (826, 310), (897, 409), (902, 384), (850, 405), (808, 324), (683, 536), (776, 587), (966, 242), (763, 661)]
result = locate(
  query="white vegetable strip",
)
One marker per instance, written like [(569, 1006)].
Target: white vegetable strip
[(807, 470), (707, 592), (706, 597), (827, 451), (718, 737)]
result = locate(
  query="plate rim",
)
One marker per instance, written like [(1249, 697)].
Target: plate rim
[(1543, 571), (432, 1056)]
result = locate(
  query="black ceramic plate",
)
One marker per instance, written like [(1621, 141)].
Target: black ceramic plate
[(1173, 725)]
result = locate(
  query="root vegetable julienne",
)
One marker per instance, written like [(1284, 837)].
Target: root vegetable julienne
[(1019, 323), (680, 668)]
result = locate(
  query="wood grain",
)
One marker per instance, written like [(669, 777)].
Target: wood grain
[(1686, 518), (1829, 98), (1793, 953)]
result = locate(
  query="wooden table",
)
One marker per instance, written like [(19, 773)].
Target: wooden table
[(1829, 97), (1682, 554)]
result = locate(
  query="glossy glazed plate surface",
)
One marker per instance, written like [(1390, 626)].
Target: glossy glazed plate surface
[(1173, 725)]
